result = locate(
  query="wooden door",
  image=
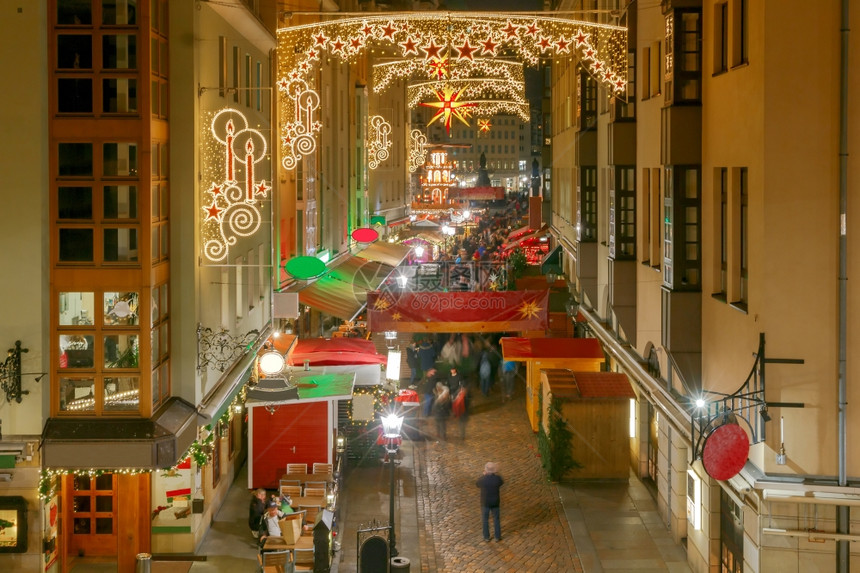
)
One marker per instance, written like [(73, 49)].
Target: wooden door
[(92, 514)]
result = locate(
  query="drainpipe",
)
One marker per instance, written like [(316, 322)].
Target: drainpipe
[(842, 516)]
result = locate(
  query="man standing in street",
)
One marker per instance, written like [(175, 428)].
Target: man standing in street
[(490, 483), (256, 510)]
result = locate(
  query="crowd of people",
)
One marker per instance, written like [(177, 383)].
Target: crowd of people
[(446, 368), (486, 239)]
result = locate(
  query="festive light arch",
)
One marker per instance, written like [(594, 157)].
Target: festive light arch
[(459, 37), (489, 96)]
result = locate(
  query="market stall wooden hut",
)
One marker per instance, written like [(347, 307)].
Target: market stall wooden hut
[(596, 407), (578, 354)]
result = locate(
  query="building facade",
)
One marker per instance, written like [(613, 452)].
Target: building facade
[(695, 217)]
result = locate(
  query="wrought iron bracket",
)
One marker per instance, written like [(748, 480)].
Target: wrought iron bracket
[(220, 349), (746, 405), (10, 374)]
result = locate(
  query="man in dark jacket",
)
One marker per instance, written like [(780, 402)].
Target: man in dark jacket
[(256, 510), (490, 483)]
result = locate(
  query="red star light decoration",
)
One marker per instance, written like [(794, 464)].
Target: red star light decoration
[(389, 30), (432, 51), (510, 30), (484, 125), (409, 46), (464, 51), (488, 46), (449, 106), (212, 211)]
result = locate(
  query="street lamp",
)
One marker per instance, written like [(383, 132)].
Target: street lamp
[(391, 425)]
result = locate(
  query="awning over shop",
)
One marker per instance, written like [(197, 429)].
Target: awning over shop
[(588, 385), (520, 349), (335, 351), (398, 222), (390, 254), (311, 385), (117, 443), (519, 239), (342, 291), (551, 263)]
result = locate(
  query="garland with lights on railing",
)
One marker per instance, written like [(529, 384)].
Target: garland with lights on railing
[(381, 399)]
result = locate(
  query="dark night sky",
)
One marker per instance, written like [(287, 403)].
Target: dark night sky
[(500, 5)]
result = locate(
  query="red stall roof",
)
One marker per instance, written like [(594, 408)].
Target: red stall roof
[(515, 348), (335, 352)]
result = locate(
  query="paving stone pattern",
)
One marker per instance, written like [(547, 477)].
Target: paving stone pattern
[(535, 534)]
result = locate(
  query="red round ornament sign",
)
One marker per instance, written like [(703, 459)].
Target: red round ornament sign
[(726, 451), (365, 235)]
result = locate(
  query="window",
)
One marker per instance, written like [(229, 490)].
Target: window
[(119, 51), (656, 243), (222, 65), (258, 92), (682, 228), (160, 370), (622, 214), (237, 74), (646, 73), (74, 13), (625, 107), (740, 33), (743, 192), (683, 73), (721, 37), (586, 207), (119, 12), (722, 184), (248, 84), (102, 342), (731, 535), (119, 95), (655, 68)]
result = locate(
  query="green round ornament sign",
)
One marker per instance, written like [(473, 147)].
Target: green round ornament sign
[(304, 268)]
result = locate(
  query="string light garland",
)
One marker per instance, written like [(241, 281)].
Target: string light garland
[(231, 206), (379, 142), (461, 37), (48, 482), (385, 73)]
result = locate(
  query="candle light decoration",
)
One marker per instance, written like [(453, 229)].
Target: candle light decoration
[(439, 46), (417, 150), (379, 141), (229, 210)]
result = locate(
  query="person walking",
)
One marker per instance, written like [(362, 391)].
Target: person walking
[(426, 356), (509, 372), (256, 510), (490, 483), (485, 372), (441, 409), (412, 362), (460, 409), (427, 388)]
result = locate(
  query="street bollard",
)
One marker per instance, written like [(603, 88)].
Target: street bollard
[(144, 563), (400, 564)]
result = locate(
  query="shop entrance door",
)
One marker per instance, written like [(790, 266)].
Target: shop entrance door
[(91, 511)]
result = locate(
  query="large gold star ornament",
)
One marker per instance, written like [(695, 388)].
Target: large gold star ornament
[(381, 304), (449, 106), (530, 310)]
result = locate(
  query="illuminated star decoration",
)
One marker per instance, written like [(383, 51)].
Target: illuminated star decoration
[(381, 304), (449, 106), (484, 125), (530, 310), (396, 316), (438, 67)]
